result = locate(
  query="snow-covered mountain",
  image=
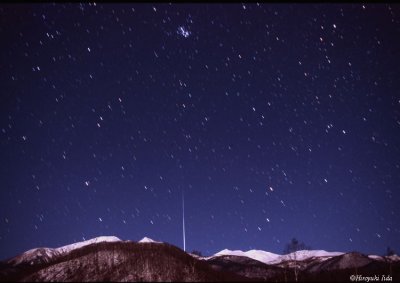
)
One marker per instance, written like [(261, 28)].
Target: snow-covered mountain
[(271, 258), (311, 265), (263, 256), (148, 240), (42, 255), (35, 256), (68, 248), (108, 258)]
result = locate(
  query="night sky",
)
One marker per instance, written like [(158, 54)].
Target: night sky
[(275, 120)]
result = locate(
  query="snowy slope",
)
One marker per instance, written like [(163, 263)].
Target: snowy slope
[(68, 248), (263, 256), (34, 256), (41, 255), (306, 254), (377, 257), (271, 258), (394, 257), (148, 240)]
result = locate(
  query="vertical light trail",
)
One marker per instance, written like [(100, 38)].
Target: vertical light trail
[(183, 222)]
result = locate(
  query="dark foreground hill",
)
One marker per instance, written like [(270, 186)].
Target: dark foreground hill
[(336, 269), (118, 261)]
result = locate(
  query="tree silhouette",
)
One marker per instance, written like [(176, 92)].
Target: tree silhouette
[(291, 250), (389, 251), (196, 252), (295, 246)]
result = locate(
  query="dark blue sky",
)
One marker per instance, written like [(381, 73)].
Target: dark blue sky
[(276, 120)]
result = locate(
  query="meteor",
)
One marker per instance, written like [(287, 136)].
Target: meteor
[(183, 222)]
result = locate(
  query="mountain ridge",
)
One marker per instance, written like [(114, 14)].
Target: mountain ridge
[(108, 258)]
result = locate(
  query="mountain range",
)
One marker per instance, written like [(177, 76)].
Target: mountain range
[(109, 258)]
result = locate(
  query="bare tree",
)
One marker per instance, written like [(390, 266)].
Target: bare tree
[(291, 250), (389, 251), (196, 252)]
